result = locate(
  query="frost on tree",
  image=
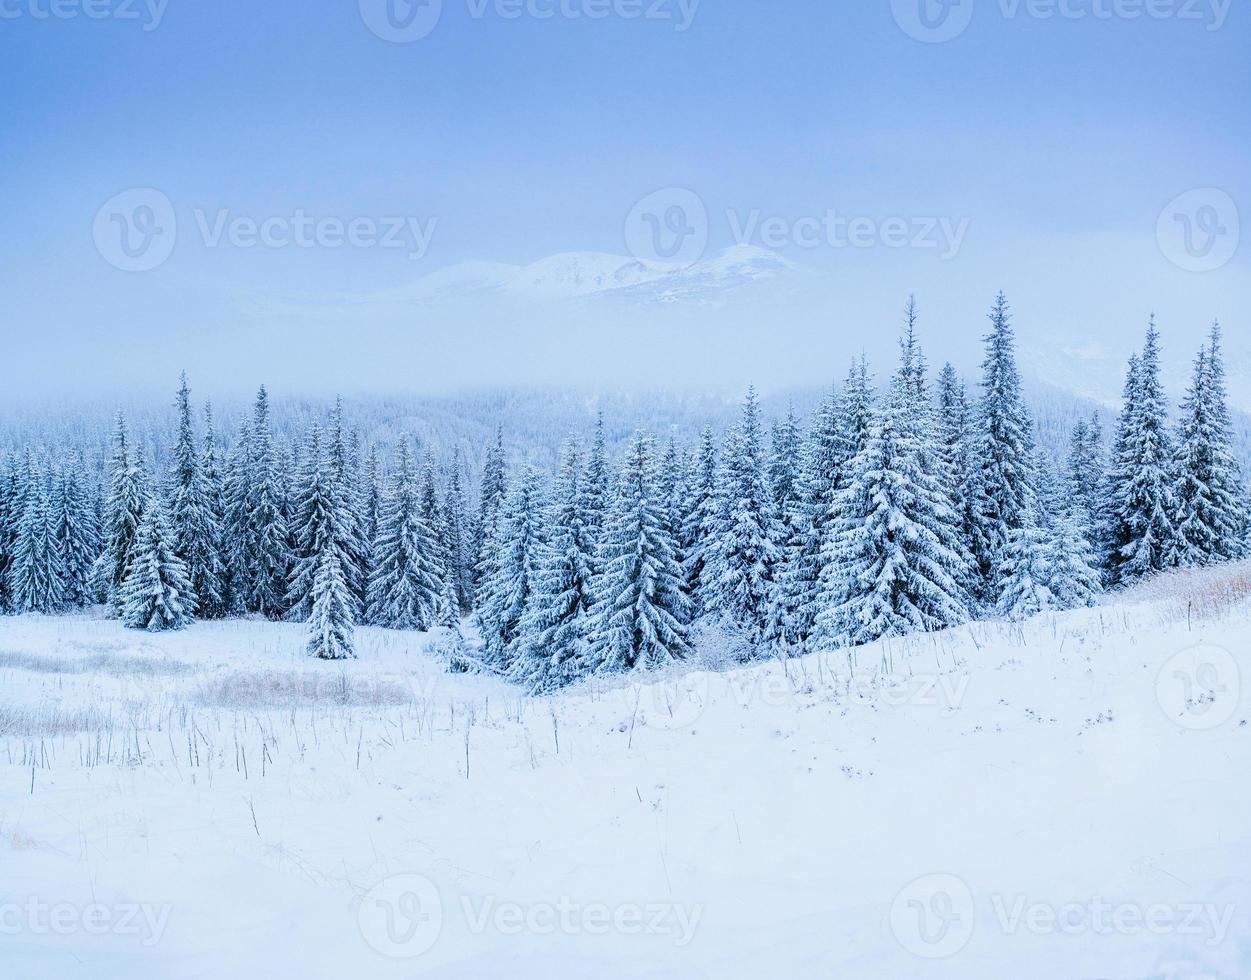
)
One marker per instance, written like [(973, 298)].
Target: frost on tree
[(1141, 508), (157, 593), (1209, 496), (893, 564), (405, 590), (555, 627), (122, 513), (193, 515), (517, 542), (640, 613)]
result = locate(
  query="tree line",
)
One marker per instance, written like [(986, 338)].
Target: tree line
[(913, 508)]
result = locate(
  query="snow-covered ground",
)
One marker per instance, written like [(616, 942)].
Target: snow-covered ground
[(1065, 799)]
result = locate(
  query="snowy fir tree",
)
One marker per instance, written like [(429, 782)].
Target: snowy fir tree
[(192, 515), (1141, 508), (405, 590), (1087, 474), (492, 493), (265, 550), (331, 620), (37, 573), (10, 515), (1210, 514), (459, 537), (596, 484), (891, 566), (554, 628), (698, 533), (746, 558), (1026, 572), (640, 616), (157, 592), (518, 542), (957, 444), (122, 514), (1075, 579), (214, 606), (77, 534), (342, 451), (1004, 485)]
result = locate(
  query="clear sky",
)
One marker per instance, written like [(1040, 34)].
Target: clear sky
[(1058, 133)]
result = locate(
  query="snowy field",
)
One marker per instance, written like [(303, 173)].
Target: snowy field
[(1070, 798)]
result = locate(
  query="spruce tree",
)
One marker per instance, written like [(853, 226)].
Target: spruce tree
[(37, 575), (76, 533), (747, 555), (10, 515), (405, 590), (640, 616), (1209, 499), (123, 511), (555, 625), (493, 491), (699, 527), (459, 538), (213, 482), (267, 535), (518, 541), (157, 592), (1141, 506), (1004, 487), (893, 564), (194, 523)]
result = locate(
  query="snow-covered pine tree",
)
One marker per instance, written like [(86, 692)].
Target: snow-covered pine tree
[(1210, 515), (518, 541), (1073, 561), (1086, 475), (459, 535), (405, 589), (1141, 506), (10, 515), (432, 514), (494, 490), (892, 562), (215, 502), (640, 615), (196, 533), (747, 555), (343, 461), (237, 544), (77, 536), (371, 503), (786, 483), (555, 626), (157, 592), (696, 538), (1026, 571), (957, 439), (331, 622), (596, 486), (671, 484), (1005, 482), (268, 537), (37, 575), (123, 511)]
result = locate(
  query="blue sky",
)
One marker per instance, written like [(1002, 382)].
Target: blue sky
[(1058, 139)]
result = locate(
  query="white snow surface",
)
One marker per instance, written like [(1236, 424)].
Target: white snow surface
[(780, 820)]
